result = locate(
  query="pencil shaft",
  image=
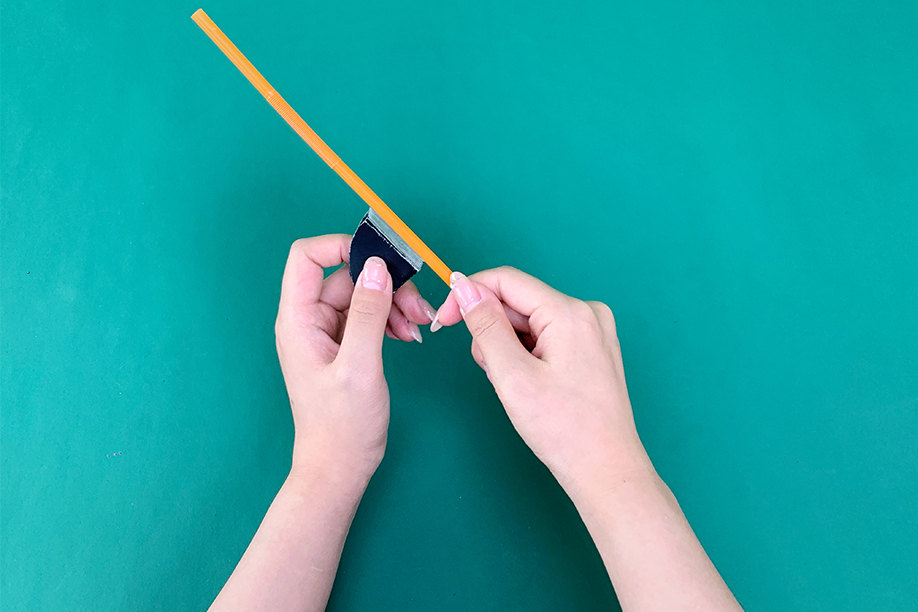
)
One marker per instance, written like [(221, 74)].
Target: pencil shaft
[(318, 145)]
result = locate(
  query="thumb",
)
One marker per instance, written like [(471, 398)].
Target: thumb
[(487, 321), (369, 311)]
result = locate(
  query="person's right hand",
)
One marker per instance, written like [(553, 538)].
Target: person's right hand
[(556, 365)]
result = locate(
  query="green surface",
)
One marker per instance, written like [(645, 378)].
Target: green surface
[(738, 181)]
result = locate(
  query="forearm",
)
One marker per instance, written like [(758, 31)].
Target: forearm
[(653, 558), (291, 562)]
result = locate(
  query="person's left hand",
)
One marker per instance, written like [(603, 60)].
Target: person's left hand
[(329, 341)]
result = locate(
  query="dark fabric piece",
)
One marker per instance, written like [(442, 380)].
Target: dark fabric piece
[(367, 242)]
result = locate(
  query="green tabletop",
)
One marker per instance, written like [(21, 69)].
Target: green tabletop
[(739, 182)]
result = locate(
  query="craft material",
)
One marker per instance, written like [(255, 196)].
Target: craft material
[(397, 226), (375, 237)]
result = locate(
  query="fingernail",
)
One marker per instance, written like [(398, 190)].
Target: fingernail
[(427, 308), (374, 274), (415, 332), (466, 293), (435, 324)]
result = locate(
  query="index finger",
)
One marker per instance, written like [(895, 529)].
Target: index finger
[(305, 269), (522, 293)]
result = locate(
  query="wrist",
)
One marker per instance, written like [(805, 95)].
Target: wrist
[(347, 479), (334, 460), (606, 473)]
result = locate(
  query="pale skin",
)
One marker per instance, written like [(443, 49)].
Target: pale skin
[(556, 366)]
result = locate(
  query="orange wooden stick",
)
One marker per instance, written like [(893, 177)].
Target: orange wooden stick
[(318, 145)]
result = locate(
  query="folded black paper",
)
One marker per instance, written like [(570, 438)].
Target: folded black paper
[(375, 237)]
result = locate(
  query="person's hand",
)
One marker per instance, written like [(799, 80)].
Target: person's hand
[(329, 341), (556, 365)]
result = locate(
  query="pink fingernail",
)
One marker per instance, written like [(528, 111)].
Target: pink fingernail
[(435, 324), (374, 274), (415, 332), (467, 295), (427, 308)]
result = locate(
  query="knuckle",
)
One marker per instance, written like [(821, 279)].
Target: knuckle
[(608, 321), (498, 272), (603, 313), (580, 310), (582, 318), (367, 307), (298, 247), (605, 320), (484, 323)]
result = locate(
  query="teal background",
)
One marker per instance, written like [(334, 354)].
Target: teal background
[(738, 181)]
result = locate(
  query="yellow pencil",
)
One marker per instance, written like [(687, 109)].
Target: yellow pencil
[(318, 145)]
